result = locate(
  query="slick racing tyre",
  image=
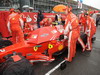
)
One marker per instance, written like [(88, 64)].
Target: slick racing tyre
[(84, 38), (21, 67)]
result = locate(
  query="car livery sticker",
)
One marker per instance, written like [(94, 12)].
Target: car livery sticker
[(34, 36), (35, 48), (2, 50), (43, 35), (54, 31)]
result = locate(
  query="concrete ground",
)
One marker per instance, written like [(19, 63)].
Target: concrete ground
[(87, 63)]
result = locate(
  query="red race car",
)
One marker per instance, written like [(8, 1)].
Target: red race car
[(40, 46)]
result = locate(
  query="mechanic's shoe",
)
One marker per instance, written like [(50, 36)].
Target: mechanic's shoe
[(88, 50), (68, 60), (84, 49)]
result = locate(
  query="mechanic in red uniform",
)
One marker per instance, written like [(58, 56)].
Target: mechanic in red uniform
[(46, 22), (91, 30), (15, 26), (71, 30)]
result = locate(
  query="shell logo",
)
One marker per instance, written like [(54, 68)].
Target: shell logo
[(13, 18), (60, 47)]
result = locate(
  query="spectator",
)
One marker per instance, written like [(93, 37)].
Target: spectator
[(40, 17)]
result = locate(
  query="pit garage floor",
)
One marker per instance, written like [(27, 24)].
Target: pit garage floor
[(87, 63)]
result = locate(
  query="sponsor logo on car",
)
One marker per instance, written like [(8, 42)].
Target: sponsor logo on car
[(2, 50)]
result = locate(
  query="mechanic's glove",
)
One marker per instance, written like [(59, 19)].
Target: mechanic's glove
[(87, 32), (65, 37), (61, 30)]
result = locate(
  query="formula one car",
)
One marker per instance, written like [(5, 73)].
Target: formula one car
[(40, 46)]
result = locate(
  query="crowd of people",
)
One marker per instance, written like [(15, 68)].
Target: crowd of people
[(16, 22)]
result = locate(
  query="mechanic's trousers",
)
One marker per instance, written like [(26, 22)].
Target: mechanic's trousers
[(73, 37), (82, 43), (84, 26), (89, 41), (17, 35)]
